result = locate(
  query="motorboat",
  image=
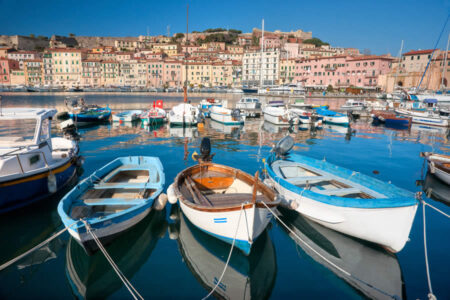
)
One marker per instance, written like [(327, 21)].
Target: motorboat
[(425, 117), (307, 116), (112, 199), (333, 117), (248, 103), (127, 116), (352, 104), (155, 115), (184, 114), (33, 164), (226, 116), (206, 104), (84, 114), (390, 119), (222, 201), (280, 116), (341, 199)]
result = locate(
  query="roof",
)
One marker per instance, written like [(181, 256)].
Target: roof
[(418, 52), (65, 50), (370, 57)]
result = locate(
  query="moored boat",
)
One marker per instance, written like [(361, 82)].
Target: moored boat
[(352, 104), (307, 116), (280, 116), (341, 199), (112, 199), (439, 165), (205, 105), (225, 202), (33, 165), (226, 116), (390, 119), (84, 114), (332, 117), (426, 117), (127, 116), (248, 103), (184, 114), (155, 115)]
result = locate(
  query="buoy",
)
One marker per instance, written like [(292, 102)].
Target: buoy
[(200, 125), (52, 183), (160, 202), (173, 231), (171, 195), (289, 204), (376, 172)]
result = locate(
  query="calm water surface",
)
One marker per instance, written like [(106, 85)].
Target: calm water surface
[(164, 256)]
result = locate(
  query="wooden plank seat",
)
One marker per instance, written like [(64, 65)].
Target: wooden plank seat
[(232, 199), (309, 179), (112, 185), (338, 192), (112, 201)]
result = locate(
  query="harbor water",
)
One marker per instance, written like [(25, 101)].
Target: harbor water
[(164, 256)]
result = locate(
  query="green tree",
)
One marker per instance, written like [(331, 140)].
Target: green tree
[(329, 88), (315, 41), (71, 34), (179, 35)]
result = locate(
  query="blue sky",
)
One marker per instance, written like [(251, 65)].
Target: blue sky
[(376, 25)]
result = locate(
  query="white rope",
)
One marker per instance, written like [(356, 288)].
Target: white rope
[(12, 261), (229, 256), (134, 293), (436, 209), (430, 294)]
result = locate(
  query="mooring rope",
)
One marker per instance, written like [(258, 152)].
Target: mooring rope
[(229, 256), (323, 257), (12, 261), (427, 266), (134, 293)]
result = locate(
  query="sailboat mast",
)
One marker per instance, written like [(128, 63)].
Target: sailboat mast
[(186, 53), (399, 61), (444, 67), (261, 62)]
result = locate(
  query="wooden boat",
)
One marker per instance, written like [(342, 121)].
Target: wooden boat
[(226, 116), (84, 114), (127, 116), (155, 115), (280, 116), (223, 201), (332, 117), (33, 164), (341, 199), (112, 199), (439, 165), (247, 277), (390, 119), (374, 272)]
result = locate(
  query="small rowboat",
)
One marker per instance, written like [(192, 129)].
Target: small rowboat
[(390, 119), (127, 116), (153, 116), (112, 199), (333, 117), (341, 199), (227, 203), (439, 165)]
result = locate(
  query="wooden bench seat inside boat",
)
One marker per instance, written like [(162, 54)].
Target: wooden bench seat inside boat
[(83, 211), (130, 176), (120, 194)]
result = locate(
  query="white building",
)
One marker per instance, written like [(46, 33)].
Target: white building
[(252, 68)]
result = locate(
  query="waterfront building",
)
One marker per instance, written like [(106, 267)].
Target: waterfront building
[(228, 55), (251, 67), (17, 76), (123, 56), (172, 73), (47, 68), (155, 70), (6, 65), (213, 46), (271, 42), (109, 72), (66, 66), (189, 49), (169, 49), (287, 70), (21, 56), (34, 70), (199, 73), (4, 51), (416, 61), (130, 44), (311, 52), (291, 49), (91, 73)]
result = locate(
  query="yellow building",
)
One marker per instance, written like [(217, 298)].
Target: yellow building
[(109, 72), (66, 66), (287, 70), (33, 70), (199, 73), (169, 49), (91, 73)]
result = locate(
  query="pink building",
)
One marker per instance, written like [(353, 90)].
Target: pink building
[(189, 49), (292, 49), (6, 65), (155, 68), (271, 42), (342, 71), (172, 73)]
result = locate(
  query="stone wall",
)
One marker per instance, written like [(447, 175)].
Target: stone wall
[(22, 42)]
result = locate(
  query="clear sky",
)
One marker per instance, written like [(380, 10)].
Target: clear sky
[(378, 25)]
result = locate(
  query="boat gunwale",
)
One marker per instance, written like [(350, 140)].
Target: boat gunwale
[(265, 190)]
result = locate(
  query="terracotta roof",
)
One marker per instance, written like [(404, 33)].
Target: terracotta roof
[(416, 52), (370, 57), (65, 50)]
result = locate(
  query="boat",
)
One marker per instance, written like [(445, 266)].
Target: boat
[(436, 189), (225, 202), (280, 116), (248, 103), (247, 277), (426, 117), (112, 199), (390, 119), (371, 271), (33, 164), (300, 103), (84, 114), (92, 277), (226, 116), (76, 89), (155, 115), (184, 114), (249, 90), (352, 104), (439, 165), (127, 116), (421, 96), (341, 199), (307, 116), (332, 117), (206, 104)]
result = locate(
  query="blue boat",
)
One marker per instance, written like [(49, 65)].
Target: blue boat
[(84, 114), (341, 199), (332, 117), (112, 199)]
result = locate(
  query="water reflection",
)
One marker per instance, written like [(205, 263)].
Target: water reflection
[(247, 277), (92, 277), (435, 189), (232, 130), (374, 272)]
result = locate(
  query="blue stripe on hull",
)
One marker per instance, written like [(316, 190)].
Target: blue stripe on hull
[(21, 194)]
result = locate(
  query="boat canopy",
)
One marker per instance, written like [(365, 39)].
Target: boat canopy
[(430, 100)]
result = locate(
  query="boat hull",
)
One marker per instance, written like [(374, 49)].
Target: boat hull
[(20, 192), (151, 121), (226, 119), (224, 224), (284, 119), (341, 120)]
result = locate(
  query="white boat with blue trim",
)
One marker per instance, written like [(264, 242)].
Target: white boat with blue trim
[(112, 199), (226, 116), (333, 117), (224, 202), (127, 116), (33, 164), (341, 199)]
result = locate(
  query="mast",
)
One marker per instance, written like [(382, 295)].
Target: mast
[(399, 61), (444, 67), (261, 62), (186, 53)]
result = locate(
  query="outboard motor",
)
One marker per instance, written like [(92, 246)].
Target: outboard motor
[(283, 146), (236, 114), (205, 151)]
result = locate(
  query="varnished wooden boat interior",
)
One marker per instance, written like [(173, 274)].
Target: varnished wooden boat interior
[(209, 186)]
